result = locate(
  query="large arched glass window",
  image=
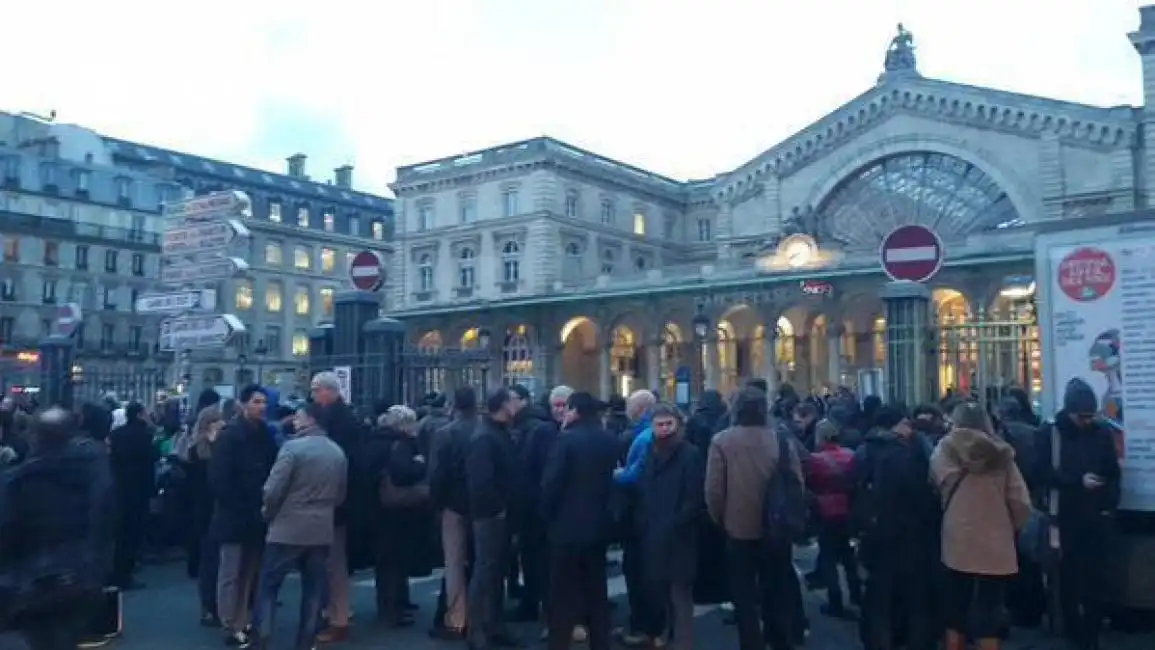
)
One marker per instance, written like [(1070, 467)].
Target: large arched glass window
[(946, 193)]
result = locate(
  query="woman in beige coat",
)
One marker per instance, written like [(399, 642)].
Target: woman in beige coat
[(985, 504)]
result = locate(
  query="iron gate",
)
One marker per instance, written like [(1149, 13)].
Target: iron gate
[(406, 376)]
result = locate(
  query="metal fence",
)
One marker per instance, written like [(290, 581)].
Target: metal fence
[(407, 375), (127, 384), (986, 356)]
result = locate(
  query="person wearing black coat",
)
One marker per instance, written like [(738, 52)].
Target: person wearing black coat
[(710, 419), (539, 428), (671, 504), (57, 517), (575, 508), (134, 458), (1087, 482), (491, 468), (242, 457)]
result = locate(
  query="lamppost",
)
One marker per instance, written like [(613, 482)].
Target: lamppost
[(701, 325), (242, 361), (260, 351), (483, 343)]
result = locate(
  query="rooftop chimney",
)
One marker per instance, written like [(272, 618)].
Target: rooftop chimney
[(343, 176), (297, 165)]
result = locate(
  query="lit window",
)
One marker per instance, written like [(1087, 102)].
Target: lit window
[(328, 260), (607, 212), (300, 344), (378, 230), (274, 212), (303, 217), (301, 301), (301, 258), (326, 294), (639, 223), (274, 254), (330, 221), (244, 297), (273, 297), (509, 203)]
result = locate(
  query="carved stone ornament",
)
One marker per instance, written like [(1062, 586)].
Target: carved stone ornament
[(900, 53), (803, 220)]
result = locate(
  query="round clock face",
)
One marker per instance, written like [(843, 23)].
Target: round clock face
[(798, 253)]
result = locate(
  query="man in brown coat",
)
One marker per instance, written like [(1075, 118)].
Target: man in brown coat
[(739, 465)]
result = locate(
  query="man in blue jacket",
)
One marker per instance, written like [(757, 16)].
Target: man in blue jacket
[(638, 409)]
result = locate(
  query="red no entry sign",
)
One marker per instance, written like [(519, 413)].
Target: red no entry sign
[(913, 253), (366, 271)]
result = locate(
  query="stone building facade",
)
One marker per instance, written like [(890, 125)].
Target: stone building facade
[(588, 271)]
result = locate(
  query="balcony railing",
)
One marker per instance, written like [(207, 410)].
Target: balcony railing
[(61, 228)]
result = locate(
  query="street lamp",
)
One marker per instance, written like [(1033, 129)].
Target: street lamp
[(483, 343), (242, 360), (701, 324), (260, 351)]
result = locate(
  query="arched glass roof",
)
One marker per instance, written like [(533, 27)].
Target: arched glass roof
[(948, 194)]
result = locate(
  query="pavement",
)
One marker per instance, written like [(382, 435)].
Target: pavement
[(164, 616)]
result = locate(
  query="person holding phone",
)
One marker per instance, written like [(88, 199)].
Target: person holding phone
[(1086, 483)]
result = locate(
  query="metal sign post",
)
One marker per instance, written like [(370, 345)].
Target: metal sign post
[(195, 246)]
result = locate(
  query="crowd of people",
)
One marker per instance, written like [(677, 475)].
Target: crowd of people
[(924, 518)]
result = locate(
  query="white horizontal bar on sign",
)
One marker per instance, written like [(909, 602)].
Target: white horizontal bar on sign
[(912, 254)]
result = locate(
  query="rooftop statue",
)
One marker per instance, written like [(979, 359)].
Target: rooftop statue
[(900, 53)]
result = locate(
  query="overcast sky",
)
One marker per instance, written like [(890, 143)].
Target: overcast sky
[(686, 88)]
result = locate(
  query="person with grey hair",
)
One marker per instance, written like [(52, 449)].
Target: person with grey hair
[(338, 420), (57, 515)]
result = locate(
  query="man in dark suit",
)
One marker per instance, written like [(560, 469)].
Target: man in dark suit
[(575, 506)]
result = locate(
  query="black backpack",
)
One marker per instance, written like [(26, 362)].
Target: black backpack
[(784, 514)]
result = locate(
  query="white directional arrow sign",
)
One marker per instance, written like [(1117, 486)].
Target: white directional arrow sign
[(218, 205), (199, 332), (177, 301), (213, 270), (206, 237)]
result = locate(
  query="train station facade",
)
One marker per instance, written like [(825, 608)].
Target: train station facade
[(564, 266)]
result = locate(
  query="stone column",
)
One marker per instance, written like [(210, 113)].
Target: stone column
[(834, 354), (769, 369), (557, 365), (909, 376), (56, 356), (605, 377), (713, 363), (654, 364)]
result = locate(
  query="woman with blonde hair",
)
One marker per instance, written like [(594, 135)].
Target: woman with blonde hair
[(985, 503)]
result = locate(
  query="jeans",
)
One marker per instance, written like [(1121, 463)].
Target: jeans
[(279, 561), (635, 592), (486, 588)]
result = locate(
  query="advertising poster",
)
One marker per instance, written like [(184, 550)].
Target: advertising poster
[(345, 379), (1102, 316)]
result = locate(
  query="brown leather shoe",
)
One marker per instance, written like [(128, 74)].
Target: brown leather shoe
[(333, 635)]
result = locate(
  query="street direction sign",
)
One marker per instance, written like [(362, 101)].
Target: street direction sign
[(213, 270), (177, 301), (218, 205), (201, 237), (913, 253), (199, 332), (366, 271)]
